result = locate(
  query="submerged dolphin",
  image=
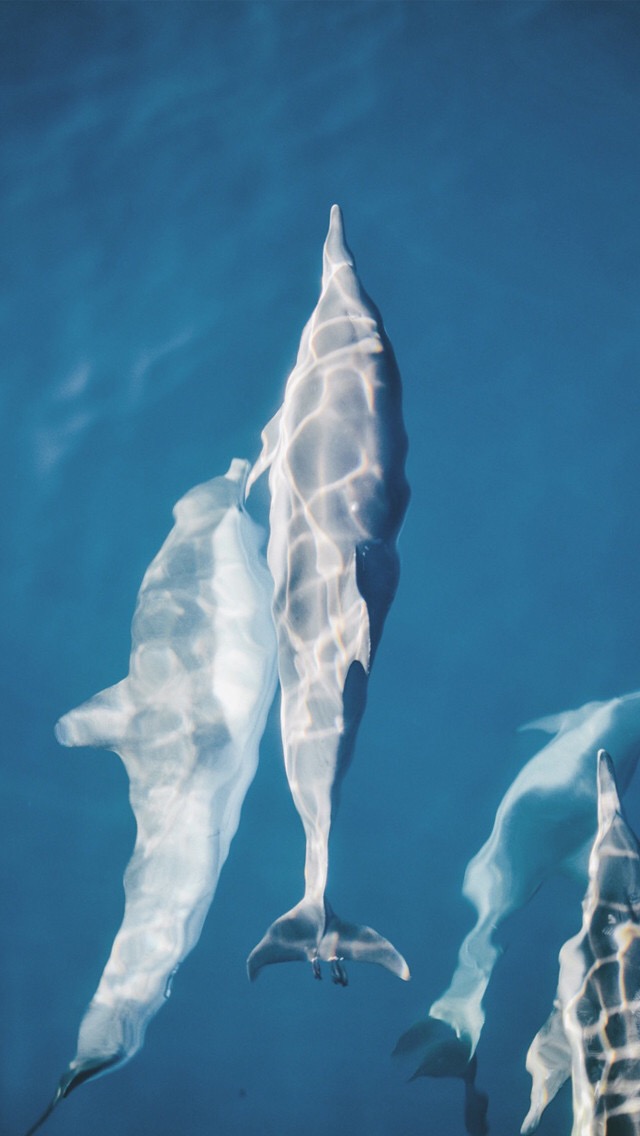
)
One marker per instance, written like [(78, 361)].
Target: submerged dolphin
[(544, 823), (187, 723), (596, 1019), (335, 453)]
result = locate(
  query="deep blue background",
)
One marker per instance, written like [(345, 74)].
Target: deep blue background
[(167, 172)]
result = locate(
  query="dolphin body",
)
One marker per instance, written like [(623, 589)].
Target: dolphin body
[(593, 1032), (545, 823), (187, 723), (335, 452)]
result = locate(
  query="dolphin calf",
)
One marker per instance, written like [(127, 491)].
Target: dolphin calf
[(544, 823), (593, 1033), (335, 452), (187, 723)]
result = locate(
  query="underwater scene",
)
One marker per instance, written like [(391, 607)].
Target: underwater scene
[(320, 457)]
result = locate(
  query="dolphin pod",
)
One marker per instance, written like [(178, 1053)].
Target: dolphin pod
[(214, 628), (544, 824), (188, 718), (335, 452)]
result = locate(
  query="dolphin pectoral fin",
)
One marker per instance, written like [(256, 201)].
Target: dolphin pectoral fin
[(294, 937), (377, 576), (360, 944), (102, 721)]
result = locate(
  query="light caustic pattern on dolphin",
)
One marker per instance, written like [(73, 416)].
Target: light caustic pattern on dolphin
[(593, 1033), (335, 453), (187, 723), (544, 823)]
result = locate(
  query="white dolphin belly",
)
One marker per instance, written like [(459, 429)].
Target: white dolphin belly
[(335, 453)]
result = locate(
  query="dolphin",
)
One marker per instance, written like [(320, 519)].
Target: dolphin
[(596, 1017), (187, 722), (335, 452), (545, 823)]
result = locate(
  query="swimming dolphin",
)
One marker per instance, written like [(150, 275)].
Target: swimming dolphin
[(544, 823), (335, 452), (598, 1001), (187, 723)]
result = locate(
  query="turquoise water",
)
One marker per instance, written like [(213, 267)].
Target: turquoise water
[(167, 173)]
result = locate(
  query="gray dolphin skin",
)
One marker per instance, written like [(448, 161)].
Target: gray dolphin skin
[(335, 452), (545, 822), (187, 723), (597, 1006)]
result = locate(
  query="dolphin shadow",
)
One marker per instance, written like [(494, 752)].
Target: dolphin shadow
[(444, 1054)]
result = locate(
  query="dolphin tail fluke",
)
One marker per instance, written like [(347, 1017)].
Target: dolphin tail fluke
[(312, 932), (294, 937), (356, 942), (102, 721)]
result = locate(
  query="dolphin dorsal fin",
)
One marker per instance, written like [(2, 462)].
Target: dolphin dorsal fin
[(270, 439), (102, 721), (565, 720)]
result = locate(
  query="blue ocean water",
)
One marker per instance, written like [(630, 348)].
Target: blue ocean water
[(167, 171)]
